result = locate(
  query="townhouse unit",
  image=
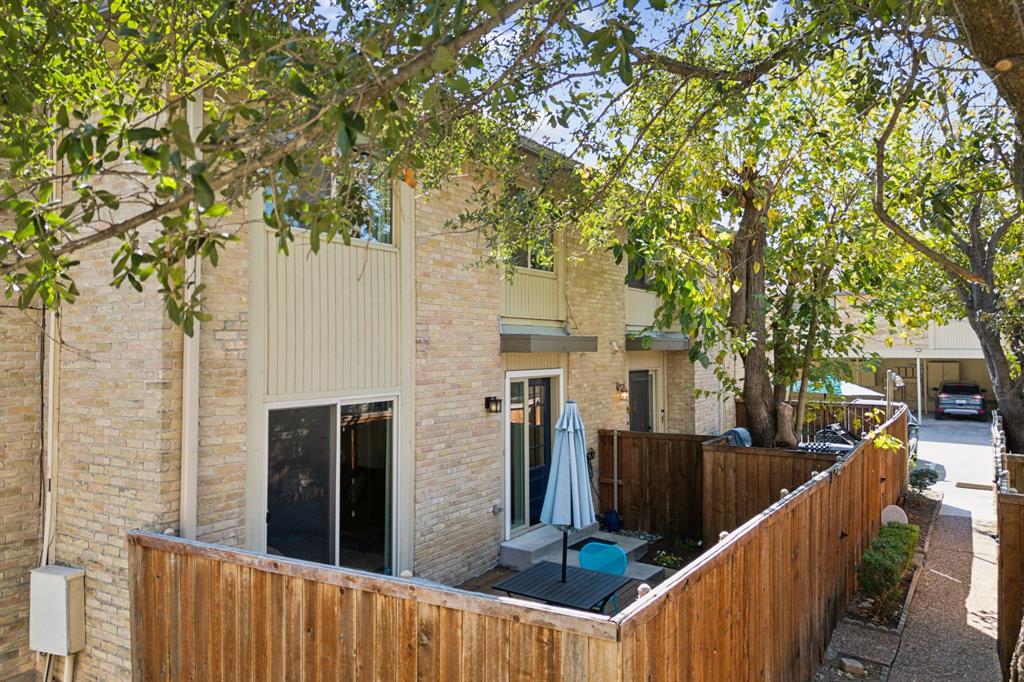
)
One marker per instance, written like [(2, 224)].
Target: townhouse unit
[(924, 359), (387, 406)]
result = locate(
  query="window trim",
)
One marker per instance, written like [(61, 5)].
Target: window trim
[(349, 399)]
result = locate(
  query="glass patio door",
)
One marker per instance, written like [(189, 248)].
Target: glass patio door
[(530, 435), (329, 490)]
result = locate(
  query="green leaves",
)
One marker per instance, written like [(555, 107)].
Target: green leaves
[(203, 192), (183, 137), (443, 59)]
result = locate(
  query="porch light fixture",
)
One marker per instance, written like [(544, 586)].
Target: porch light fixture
[(622, 391), (492, 404)]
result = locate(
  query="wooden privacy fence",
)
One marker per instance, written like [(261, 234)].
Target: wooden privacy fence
[(659, 477), (761, 605), (740, 483), (208, 613), (758, 606), (1010, 528)]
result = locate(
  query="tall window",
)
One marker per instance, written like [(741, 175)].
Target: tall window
[(539, 256), (635, 276), (367, 203), (329, 484)]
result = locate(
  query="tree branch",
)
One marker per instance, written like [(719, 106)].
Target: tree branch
[(878, 200), (364, 93)]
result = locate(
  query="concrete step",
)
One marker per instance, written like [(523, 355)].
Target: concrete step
[(635, 548), (525, 550), (634, 569)]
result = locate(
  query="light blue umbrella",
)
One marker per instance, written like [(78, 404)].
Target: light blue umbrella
[(833, 386), (567, 501)]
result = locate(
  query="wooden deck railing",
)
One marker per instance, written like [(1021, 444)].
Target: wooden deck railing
[(759, 605), (1010, 527)]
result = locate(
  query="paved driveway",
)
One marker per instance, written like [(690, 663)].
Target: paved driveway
[(960, 450), (951, 629)]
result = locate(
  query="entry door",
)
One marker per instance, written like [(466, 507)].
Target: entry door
[(539, 444), (641, 400), (530, 435)]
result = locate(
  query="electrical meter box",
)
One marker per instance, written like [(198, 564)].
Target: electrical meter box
[(57, 612)]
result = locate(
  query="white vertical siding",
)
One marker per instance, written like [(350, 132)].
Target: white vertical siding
[(640, 307), (533, 295), (956, 335), (332, 318)]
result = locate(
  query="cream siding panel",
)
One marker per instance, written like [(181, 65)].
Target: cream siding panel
[(640, 307), (645, 359), (515, 362), (533, 295), (956, 335), (332, 318)]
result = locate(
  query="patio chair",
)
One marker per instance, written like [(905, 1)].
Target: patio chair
[(604, 558)]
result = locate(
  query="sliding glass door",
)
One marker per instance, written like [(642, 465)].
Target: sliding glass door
[(329, 490)]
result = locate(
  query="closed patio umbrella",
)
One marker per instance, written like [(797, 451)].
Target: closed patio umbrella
[(567, 501)]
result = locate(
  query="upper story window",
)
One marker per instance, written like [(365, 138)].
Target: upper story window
[(539, 256), (636, 278), (377, 219), (364, 199)]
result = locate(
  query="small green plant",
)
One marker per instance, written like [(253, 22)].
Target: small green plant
[(922, 479), (668, 559), (689, 544), (888, 557)]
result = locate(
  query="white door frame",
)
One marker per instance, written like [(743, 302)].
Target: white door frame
[(520, 375), (395, 399)]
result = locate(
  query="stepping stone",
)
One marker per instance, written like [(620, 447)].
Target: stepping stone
[(852, 666)]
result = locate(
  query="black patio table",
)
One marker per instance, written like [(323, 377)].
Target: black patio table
[(582, 589)]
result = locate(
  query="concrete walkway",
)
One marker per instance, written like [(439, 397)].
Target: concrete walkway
[(951, 629)]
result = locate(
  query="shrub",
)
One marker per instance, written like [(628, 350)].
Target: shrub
[(668, 559), (885, 561), (922, 479)]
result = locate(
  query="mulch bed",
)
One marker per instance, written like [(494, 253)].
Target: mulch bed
[(677, 546), (920, 511)]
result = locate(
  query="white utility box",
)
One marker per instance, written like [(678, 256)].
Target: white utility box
[(57, 614)]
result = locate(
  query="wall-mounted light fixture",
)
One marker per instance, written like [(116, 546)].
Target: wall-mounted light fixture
[(492, 404), (622, 390)]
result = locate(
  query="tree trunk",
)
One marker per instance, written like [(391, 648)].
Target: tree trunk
[(983, 304), (747, 321), (1008, 392)]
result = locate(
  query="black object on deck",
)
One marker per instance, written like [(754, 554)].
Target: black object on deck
[(583, 589)]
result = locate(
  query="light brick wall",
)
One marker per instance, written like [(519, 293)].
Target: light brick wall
[(459, 447), (119, 446), (679, 390), (595, 294), (20, 512), (223, 367)]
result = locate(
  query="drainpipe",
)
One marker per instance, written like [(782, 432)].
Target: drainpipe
[(190, 425), (189, 490), (53, 340)]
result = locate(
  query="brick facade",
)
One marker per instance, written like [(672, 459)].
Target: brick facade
[(459, 447), (595, 296), (120, 417), (21, 409), (223, 360), (118, 466)]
